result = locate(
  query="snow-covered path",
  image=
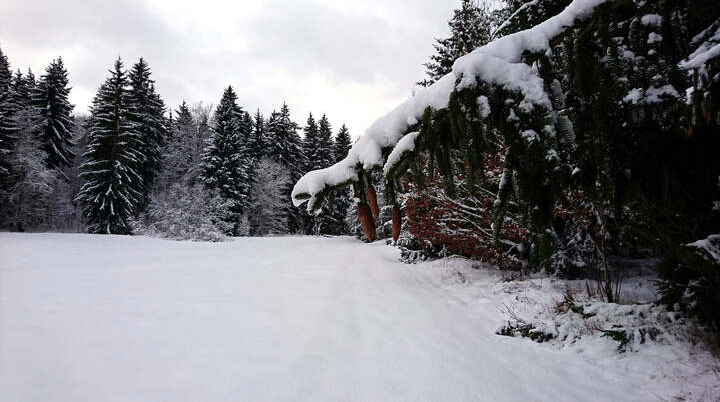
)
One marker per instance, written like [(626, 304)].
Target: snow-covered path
[(105, 318)]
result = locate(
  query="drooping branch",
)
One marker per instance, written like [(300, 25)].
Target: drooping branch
[(499, 64)]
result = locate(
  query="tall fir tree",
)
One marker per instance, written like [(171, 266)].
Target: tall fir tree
[(149, 118), (226, 164), (257, 143), (113, 185), (7, 127), (246, 128), (285, 147), (50, 99), (320, 158), (324, 152), (343, 197), (22, 87), (284, 144), (310, 142), (342, 144), (30, 79), (470, 27)]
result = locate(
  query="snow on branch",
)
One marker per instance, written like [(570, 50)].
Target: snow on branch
[(406, 144), (706, 51), (498, 63)]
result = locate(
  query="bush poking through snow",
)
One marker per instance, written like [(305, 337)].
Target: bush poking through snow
[(185, 213), (567, 321)]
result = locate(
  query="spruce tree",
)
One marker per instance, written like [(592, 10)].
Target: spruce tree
[(257, 142), (324, 154), (284, 144), (149, 118), (30, 79), (113, 185), (310, 142), (246, 128), (343, 198), (7, 127), (184, 116), (342, 144), (470, 27), (22, 87), (284, 147), (50, 99), (226, 164), (320, 158)]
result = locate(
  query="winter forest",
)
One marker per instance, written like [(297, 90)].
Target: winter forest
[(134, 166), (546, 199)]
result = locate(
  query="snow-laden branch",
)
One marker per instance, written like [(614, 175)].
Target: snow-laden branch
[(498, 63), (706, 51)]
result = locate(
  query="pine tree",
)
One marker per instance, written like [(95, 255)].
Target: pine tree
[(113, 185), (50, 99), (310, 142), (30, 79), (246, 128), (284, 144), (150, 122), (470, 27), (342, 144), (285, 147), (226, 164), (7, 128), (320, 156), (22, 87), (343, 198), (324, 154), (258, 141)]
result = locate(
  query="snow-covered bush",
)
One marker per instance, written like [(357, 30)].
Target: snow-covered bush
[(185, 213), (691, 280), (568, 320)]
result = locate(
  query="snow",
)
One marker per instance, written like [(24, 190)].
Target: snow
[(483, 106), (710, 245), (654, 38), (699, 59), (530, 136), (706, 51), (654, 94), (113, 318), (653, 20), (651, 95), (499, 62), (406, 144)]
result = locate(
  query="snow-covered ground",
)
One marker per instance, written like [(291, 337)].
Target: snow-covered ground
[(109, 318)]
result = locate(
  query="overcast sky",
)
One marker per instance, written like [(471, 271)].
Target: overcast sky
[(354, 60)]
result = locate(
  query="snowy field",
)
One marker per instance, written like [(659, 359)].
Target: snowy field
[(108, 318)]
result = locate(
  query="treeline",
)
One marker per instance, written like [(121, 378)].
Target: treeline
[(134, 166)]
